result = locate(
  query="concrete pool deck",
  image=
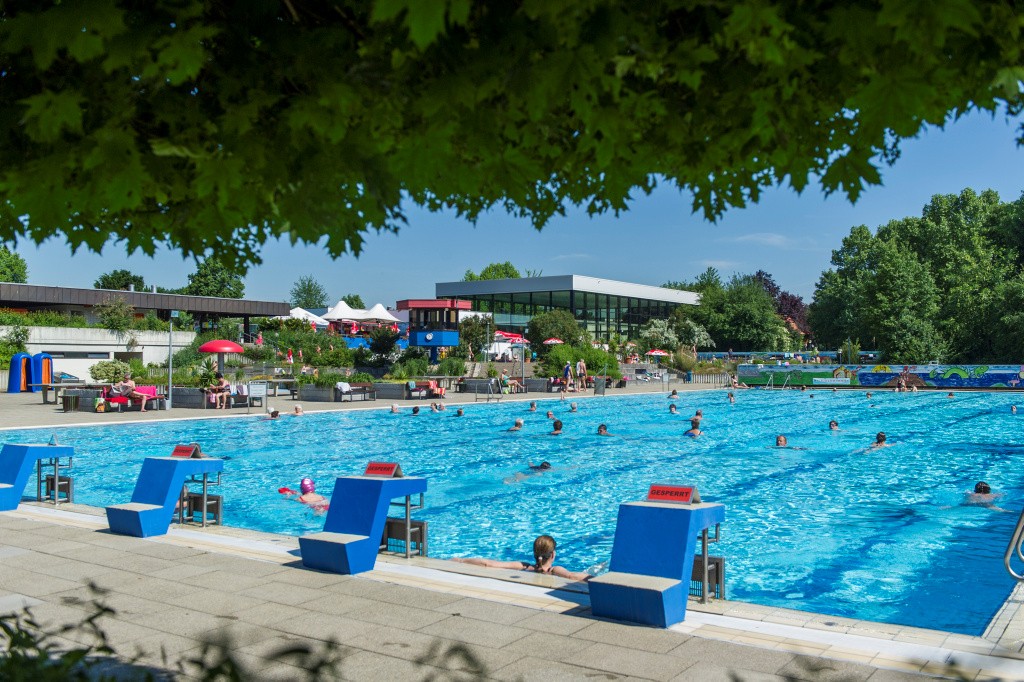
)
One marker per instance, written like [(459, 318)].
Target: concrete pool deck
[(412, 619)]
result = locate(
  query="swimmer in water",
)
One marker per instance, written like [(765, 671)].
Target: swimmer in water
[(433, 407), (557, 428), (533, 406), (459, 412), (1013, 409), (674, 394), (694, 428), (544, 560), (416, 411), (950, 395), (572, 407), (518, 426), (781, 442), (602, 430), (535, 470), (698, 415), (833, 425), (672, 408), (983, 497), (309, 496), (550, 415), (732, 398), (868, 394), (880, 441), (297, 412), (394, 408), (274, 414)]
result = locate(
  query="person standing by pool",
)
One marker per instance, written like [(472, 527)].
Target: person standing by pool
[(581, 374), (694, 429), (566, 376), (543, 561)]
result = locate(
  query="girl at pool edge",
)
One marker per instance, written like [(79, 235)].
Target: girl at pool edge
[(544, 559)]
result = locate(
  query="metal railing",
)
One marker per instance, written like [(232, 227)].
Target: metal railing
[(1015, 547)]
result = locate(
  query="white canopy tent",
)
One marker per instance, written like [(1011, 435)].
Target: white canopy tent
[(303, 314), (343, 311), (379, 313)]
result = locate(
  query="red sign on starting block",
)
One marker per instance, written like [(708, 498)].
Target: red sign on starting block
[(679, 494), (385, 469), (183, 451)]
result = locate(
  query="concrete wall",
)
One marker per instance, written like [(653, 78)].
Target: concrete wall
[(935, 376), (83, 348)]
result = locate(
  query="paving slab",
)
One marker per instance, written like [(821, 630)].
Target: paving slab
[(640, 637), (628, 661), (472, 631), (531, 669), (505, 614), (733, 655), (396, 615)]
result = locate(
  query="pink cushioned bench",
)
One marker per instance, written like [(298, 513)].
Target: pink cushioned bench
[(155, 398)]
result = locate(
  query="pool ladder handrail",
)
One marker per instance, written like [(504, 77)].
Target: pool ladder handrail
[(1015, 546)]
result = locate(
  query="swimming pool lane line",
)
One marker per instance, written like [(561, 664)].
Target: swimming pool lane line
[(910, 649)]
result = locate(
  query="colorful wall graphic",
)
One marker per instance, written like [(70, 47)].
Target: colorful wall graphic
[(935, 376)]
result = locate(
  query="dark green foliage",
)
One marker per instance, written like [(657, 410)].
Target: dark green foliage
[(382, 341), (558, 324), (211, 278), (308, 293), (475, 333), (493, 271), (361, 378), (452, 367), (214, 126), (940, 286), (12, 342), (120, 280), (354, 301), (12, 266)]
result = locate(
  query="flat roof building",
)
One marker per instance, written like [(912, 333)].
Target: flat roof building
[(603, 306)]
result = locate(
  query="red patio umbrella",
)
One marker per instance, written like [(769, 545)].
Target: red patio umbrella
[(220, 347), (552, 341)]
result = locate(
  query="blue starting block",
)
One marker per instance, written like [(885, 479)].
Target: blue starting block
[(16, 464), (652, 562), (355, 522), (157, 491)]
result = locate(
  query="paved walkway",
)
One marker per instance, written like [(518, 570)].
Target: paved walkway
[(409, 620)]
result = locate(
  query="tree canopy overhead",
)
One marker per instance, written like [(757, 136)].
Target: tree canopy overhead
[(214, 126)]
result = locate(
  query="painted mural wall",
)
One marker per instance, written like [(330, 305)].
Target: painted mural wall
[(935, 376)]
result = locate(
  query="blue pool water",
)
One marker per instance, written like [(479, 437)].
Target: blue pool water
[(833, 528)]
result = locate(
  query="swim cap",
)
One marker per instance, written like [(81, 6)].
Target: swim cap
[(307, 485)]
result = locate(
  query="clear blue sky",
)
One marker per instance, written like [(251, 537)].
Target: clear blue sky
[(790, 236)]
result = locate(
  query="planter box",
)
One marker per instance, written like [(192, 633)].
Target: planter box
[(387, 391), (189, 398), (316, 394)]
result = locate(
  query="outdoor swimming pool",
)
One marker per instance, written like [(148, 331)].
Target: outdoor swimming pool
[(835, 528)]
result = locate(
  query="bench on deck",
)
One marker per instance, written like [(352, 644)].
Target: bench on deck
[(344, 390), (423, 389), (155, 398)]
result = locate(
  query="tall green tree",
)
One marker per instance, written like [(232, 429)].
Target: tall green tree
[(558, 324), (902, 304), (120, 280), (214, 126), (493, 271), (475, 333), (12, 266), (839, 309), (211, 278), (354, 301), (307, 293)]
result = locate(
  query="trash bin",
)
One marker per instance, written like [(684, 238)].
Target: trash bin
[(689, 377), (70, 403)]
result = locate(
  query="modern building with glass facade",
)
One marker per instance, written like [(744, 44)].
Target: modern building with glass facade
[(605, 307)]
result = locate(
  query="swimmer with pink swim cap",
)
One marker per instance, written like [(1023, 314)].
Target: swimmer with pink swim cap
[(308, 495)]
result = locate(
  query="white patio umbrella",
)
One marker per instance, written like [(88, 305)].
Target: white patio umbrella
[(658, 353), (552, 341)]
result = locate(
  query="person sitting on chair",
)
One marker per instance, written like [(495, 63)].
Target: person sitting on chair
[(126, 387), (221, 389)]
